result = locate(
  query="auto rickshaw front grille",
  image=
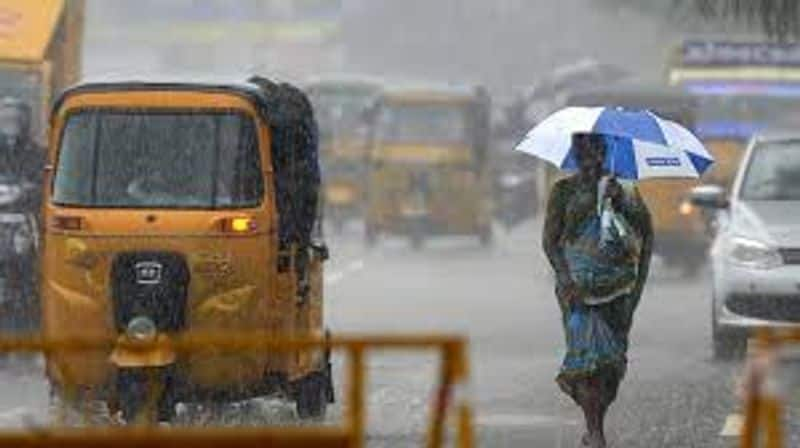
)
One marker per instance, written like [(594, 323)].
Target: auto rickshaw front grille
[(150, 284)]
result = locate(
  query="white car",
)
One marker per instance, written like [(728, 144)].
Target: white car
[(755, 256)]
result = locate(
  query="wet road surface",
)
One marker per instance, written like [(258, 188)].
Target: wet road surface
[(501, 297)]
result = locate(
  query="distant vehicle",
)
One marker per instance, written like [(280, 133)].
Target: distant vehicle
[(40, 53), (546, 94), (680, 229), (756, 253), (340, 107), (428, 170), (19, 235)]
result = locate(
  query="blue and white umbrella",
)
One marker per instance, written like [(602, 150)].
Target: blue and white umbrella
[(640, 144)]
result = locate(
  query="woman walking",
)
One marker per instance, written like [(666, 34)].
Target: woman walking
[(597, 296)]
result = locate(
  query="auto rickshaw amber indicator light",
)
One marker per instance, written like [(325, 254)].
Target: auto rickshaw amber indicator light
[(68, 223), (239, 225)]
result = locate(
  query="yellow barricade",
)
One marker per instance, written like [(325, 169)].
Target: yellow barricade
[(453, 376), (763, 404)]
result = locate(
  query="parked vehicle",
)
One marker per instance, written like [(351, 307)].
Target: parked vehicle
[(755, 256)]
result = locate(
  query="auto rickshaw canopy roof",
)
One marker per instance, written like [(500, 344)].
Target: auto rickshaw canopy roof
[(430, 93), (343, 79), (243, 90), (294, 140), (27, 27)]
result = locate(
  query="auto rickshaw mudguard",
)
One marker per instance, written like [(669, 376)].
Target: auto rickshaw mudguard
[(128, 354)]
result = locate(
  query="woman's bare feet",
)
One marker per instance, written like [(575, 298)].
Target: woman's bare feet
[(594, 440)]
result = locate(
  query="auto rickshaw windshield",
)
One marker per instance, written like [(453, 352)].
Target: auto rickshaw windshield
[(158, 159), (424, 123)]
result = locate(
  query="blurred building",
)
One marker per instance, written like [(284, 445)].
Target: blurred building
[(289, 38), (506, 44)]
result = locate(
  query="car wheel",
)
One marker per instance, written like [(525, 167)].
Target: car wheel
[(725, 346)]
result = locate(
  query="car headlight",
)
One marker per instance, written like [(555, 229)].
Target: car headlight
[(753, 254), (141, 329), (686, 208)]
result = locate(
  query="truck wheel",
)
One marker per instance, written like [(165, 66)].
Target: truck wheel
[(312, 397), (337, 223), (725, 347), (486, 237), (370, 235), (418, 230), (417, 242)]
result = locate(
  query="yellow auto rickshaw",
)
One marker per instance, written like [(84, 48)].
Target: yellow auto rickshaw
[(177, 209), (428, 169), (340, 104)]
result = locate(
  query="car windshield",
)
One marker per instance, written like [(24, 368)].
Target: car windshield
[(157, 159), (423, 123), (773, 173)]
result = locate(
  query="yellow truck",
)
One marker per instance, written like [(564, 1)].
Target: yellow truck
[(40, 52), (741, 87)]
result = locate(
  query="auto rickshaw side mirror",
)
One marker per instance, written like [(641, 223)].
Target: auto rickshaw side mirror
[(322, 251)]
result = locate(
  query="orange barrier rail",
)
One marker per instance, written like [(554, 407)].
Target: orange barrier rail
[(453, 375), (763, 407)]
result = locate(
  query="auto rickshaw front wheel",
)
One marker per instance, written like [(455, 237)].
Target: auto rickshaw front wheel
[(144, 396)]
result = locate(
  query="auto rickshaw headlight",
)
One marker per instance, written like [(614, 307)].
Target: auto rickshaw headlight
[(141, 329)]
